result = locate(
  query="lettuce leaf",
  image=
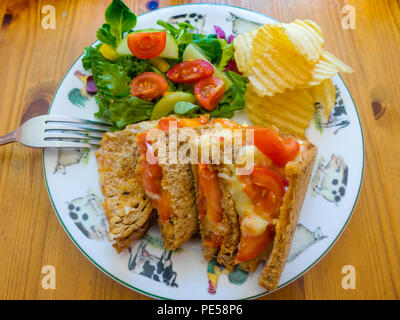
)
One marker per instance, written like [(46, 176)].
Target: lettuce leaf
[(120, 20), (227, 53), (112, 80), (233, 100), (186, 108), (105, 36), (210, 46), (130, 110)]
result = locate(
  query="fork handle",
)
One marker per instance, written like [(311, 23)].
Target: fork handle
[(8, 138)]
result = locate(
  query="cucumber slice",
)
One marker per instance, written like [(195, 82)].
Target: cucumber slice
[(166, 104), (193, 52), (171, 48), (170, 51), (123, 49)]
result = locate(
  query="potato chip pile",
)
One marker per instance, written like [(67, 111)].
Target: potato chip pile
[(289, 71)]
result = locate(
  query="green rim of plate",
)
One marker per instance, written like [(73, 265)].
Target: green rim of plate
[(251, 297)]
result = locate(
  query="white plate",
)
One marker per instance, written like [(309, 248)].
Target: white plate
[(72, 183)]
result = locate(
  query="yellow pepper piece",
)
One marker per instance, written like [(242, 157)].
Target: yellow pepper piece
[(160, 63), (108, 52)]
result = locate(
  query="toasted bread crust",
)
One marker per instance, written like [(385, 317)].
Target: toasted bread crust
[(298, 173), (128, 209)]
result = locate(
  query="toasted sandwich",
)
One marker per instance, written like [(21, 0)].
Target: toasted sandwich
[(169, 184), (251, 217), (128, 209), (135, 184)]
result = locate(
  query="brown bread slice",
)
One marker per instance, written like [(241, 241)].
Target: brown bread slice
[(128, 209), (298, 173), (178, 182), (229, 246)]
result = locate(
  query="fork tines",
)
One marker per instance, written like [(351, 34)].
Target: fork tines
[(73, 132)]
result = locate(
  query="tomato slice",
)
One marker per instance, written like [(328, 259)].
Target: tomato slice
[(194, 122), (271, 200), (265, 189), (209, 187), (147, 45), (190, 71), (227, 124), (163, 123), (151, 175), (250, 247), (268, 179), (279, 150), (209, 92), (163, 207), (148, 86), (214, 241)]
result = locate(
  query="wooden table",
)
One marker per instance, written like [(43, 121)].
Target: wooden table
[(33, 61)]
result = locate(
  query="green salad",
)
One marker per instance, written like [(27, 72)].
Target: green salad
[(148, 74)]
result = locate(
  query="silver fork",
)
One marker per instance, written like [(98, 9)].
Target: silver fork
[(56, 131)]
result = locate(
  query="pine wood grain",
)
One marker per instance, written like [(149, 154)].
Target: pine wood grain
[(32, 63)]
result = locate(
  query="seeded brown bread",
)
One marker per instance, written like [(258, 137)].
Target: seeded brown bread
[(128, 209), (178, 182), (229, 246), (299, 173)]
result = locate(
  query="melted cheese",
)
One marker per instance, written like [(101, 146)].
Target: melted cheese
[(251, 224)]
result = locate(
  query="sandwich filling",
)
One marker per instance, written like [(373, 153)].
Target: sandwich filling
[(151, 175), (209, 203), (151, 171), (257, 196)]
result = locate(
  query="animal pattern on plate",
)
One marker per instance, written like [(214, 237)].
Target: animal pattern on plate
[(79, 97), (76, 97), (69, 156), (145, 259), (303, 239), (89, 216), (197, 20), (236, 276), (241, 25), (330, 179), (338, 117)]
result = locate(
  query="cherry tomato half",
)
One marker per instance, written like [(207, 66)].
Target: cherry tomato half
[(279, 150), (209, 92), (190, 71), (147, 45), (148, 86)]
